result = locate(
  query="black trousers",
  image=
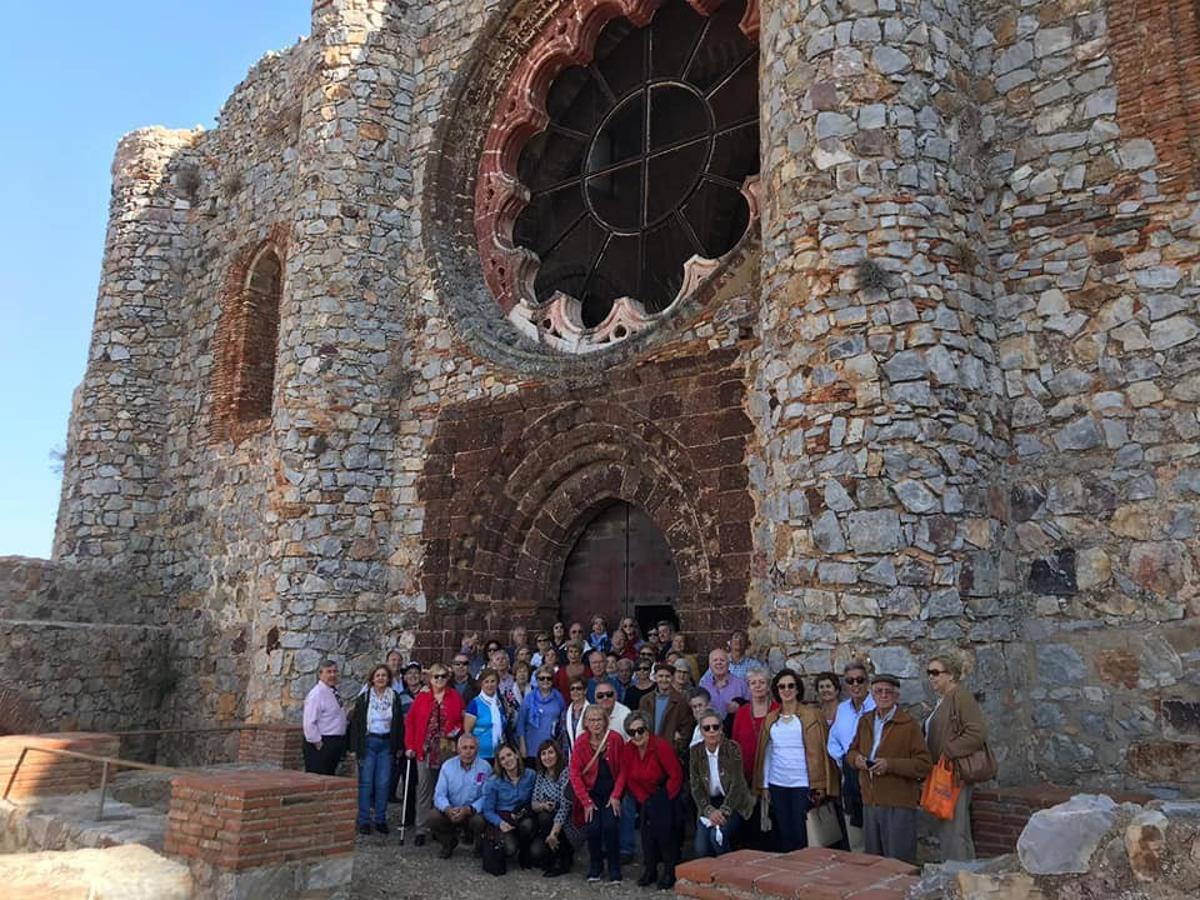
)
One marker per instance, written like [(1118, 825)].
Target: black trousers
[(660, 835), (326, 760)]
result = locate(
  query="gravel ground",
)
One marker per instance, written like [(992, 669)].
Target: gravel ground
[(384, 869)]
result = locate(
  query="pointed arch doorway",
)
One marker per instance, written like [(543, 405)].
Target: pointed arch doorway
[(620, 565)]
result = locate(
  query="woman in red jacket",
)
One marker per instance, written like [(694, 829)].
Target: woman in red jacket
[(435, 717), (655, 778), (598, 781)]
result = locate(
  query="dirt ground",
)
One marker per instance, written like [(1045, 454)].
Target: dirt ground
[(384, 869)]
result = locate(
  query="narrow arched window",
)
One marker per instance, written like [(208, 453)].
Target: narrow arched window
[(259, 316), (246, 343)]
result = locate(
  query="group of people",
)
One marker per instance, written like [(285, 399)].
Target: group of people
[(586, 738)]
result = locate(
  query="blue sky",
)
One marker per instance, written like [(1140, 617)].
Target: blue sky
[(75, 80)]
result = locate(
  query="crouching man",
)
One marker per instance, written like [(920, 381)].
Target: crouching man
[(458, 797)]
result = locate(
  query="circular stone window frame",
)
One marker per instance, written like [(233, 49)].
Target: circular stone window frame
[(568, 39)]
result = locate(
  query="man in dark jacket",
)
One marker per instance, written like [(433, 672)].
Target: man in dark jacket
[(891, 757)]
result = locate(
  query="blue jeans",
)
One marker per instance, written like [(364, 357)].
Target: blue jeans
[(626, 825), (706, 842), (789, 817), (374, 779)]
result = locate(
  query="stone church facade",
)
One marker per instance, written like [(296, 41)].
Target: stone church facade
[(878, 317)]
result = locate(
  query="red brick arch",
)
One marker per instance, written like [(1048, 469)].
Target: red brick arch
[(510, 487)]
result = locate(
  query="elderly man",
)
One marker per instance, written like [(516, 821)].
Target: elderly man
[(667, 709), (324, 723), (458, 797), (470, 649), (841, 736), (597, 672), (890, 755), (725, 688)]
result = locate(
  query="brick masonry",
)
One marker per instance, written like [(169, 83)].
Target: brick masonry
[(42, 773), (281, 746), (810, 873), (235, 821)]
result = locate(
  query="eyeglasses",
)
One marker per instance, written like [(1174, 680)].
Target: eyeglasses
[(883, 692), (855, 680), (604, 696), (441, 677), (712, 727), (545, 678), (460, 662), (786, 685), (637, 732), (576, 687), (643, 668), (934, 673)]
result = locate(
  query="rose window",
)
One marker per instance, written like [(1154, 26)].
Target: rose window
[(633, 174)]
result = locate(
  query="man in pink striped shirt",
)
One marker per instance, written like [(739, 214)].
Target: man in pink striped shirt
[(324, 723)]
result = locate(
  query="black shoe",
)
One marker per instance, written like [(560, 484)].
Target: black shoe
[(626, 858), (647, 878), (364, 829), (665, 884), (446, 852), (382, 827), (614, 877), (419, 840), (468, 838)]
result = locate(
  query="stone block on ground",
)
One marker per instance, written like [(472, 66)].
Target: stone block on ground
[(128, 872), (1061, 840)]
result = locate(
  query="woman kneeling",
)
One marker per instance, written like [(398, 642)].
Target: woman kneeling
[(506, 799)]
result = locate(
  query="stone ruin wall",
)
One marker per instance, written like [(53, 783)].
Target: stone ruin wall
[(989, 451)]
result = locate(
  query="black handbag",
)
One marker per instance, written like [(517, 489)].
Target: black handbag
[(494, 859)]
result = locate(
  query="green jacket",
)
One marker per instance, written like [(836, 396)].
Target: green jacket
[(733, 779)]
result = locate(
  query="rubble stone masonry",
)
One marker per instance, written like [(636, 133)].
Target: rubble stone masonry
[(943, 395)]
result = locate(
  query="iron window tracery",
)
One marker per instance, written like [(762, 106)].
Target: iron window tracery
[(643, 162)]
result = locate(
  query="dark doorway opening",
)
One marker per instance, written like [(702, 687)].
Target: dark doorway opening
[(620, 566)]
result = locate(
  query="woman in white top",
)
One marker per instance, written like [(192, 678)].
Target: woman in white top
[(792, 770)]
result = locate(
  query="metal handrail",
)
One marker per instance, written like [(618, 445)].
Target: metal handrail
[(105, 760)]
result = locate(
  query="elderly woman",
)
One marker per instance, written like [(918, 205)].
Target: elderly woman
[(539, 715), (555, 834), (747, 726), (573, 668), (597, 638), (484, 716), (598, 780), (955, 729), (376, 737), (654, 777), (433, 722), (718, 787), (506, 798), (793, 771)]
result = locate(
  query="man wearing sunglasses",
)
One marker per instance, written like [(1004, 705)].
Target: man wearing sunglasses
[(841, 736)]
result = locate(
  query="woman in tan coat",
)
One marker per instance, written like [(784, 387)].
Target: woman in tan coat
[(793, 771), (955, 729)]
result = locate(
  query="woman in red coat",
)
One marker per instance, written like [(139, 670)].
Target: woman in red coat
[(655, 778), (436, 715), (598, 781)]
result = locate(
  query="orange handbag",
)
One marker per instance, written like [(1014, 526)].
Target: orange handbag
[(940, 794)]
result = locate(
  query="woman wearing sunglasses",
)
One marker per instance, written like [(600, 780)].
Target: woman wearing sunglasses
[(718, 786), (654, 777), (537, 720), (433, 722), (954, 729), (793, 771)]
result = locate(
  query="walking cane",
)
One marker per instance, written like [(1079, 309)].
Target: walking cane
[(404, 800)]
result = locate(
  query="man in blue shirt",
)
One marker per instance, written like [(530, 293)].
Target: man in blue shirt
[(458, 797), (841, 736)]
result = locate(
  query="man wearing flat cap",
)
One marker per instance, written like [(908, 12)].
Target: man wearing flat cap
[(890, 755)]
